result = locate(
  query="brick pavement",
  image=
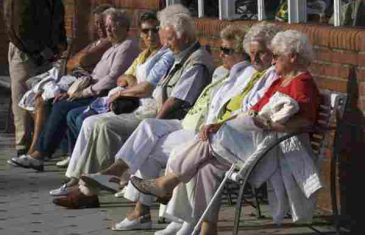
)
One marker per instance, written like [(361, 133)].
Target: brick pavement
[(26, 207)]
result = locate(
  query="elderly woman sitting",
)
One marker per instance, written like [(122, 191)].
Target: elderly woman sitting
[(292, 54), (138, 81)]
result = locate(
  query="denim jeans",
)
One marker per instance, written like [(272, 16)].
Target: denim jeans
[(56, 125), (75, 118)]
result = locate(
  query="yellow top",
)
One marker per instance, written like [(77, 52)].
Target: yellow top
[(141, 58), (235, 102)]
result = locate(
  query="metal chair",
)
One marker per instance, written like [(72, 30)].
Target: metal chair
[(331, 110)]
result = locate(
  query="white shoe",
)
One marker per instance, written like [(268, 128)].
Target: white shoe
[(26, 161), (120, 193), (61, 191), (142, 223), (101, 182), (171, 229), (63, 163), (186, 229)]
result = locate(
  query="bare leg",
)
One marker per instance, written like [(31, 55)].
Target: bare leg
[(139, 210), (167, 182), (40, 117), (208, 228), (161, 187)]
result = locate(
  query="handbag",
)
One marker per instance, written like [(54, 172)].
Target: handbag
[(125, 104), (79, 84)]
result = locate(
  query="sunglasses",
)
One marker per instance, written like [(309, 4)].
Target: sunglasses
[(227, 51), (153, 30)]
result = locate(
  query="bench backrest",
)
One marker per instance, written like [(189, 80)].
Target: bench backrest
[(331, 109)]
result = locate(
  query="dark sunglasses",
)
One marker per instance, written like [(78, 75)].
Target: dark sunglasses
[(153, 30), (227, 51)]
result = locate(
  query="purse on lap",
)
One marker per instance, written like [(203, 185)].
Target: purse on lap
[(79, 84), (125, 104)]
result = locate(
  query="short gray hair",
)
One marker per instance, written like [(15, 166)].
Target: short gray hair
[(292, 41), (263, 31), (118, 16), (178, 17), (234, 33)]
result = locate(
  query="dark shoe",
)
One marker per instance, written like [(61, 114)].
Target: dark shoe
[(149, 187), (26, 161), (77, 200)]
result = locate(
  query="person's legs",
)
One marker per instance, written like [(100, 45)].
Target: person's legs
[(21, 68), (190, 200), (74, 123), (156, 161), (143, 140), (41, 112), (109, 133), (56, 126), (80, 153)]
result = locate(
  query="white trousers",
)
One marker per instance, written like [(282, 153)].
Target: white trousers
[(147, 150)]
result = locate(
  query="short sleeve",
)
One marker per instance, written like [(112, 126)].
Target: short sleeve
[(306, 93), (191, 84)]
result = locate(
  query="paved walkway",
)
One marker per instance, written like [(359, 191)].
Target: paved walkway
[(26, 207)]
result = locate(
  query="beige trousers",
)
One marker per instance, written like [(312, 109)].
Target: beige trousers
[(201, 175), (21, 68)]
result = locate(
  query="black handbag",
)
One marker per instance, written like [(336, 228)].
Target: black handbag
[(125, 104)]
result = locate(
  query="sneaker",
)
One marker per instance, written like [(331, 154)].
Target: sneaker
[(141, 223), (61, 191), (63, 163), (171, 229), (26, 161)]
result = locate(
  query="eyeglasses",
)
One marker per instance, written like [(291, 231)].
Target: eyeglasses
[(227, 51), (147, 30)]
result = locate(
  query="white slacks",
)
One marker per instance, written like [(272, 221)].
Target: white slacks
[(147, 151)]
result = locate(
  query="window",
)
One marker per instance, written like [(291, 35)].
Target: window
[(335, 12)]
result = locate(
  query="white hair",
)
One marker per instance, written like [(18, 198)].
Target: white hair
[(172, 10), (178, 17), (264, 32), (292, 41), (118, 16)]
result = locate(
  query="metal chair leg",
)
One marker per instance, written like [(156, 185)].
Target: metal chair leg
[(229, 194), (257, 203), (238, 210)]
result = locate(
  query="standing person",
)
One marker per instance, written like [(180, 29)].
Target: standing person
[(37, 35)]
